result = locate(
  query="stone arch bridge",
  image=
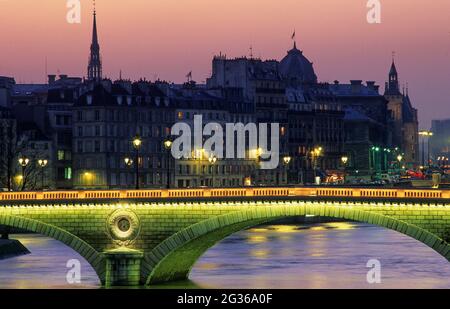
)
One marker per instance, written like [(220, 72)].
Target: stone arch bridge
[(152, 236)]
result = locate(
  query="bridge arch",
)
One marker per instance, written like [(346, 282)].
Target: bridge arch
[(174, 258), (94, 258)]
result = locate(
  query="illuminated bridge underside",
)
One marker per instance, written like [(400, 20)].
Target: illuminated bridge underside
[(147, 237)]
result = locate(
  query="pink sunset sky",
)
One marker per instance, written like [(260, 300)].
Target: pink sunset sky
[(168, 38)]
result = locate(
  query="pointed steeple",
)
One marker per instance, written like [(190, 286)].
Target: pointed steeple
[(393, 87), (393, 70), (95, 63), (94, 30)]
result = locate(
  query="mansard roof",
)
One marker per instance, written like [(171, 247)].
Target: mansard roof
[(295, 66)]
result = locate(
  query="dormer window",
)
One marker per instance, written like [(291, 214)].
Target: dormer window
[(119, 100), (89, 99)]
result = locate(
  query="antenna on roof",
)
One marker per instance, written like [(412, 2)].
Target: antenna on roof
[(46, 71), (251, 52), (293, 37)]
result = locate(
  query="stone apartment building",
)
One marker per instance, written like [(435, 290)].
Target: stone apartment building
[(220, 107), (106, 118)]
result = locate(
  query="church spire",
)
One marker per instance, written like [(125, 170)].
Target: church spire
[(393, 87), (94, 30), (95, 63)]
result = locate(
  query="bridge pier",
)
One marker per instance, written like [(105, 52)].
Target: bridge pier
[(123, 267)]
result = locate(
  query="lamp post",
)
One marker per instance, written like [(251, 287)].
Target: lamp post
[(400, 159), (425, 134), (316, 153), (375, 155), (23, 162), (128, 163), (287, 160), (344, 161), (42, 164), (258, 153), (168, 146), (212, 160), (137, 143)]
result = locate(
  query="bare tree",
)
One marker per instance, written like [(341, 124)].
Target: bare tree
[(8, 153), (11, 149)]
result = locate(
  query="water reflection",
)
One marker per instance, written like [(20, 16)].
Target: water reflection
[(328, 255)]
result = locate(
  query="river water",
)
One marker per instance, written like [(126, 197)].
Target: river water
[(326, 255)]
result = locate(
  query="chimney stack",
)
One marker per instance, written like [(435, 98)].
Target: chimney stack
[(51, 79), (356, 86)]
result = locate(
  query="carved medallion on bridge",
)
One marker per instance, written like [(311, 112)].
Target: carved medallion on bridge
[(123, 226)]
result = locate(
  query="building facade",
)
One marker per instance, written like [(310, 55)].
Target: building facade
[(440, 142), (405, 124)]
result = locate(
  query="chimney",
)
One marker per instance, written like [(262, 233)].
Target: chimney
[(62, 76), (51, 79), (356, 86), (370, 84)]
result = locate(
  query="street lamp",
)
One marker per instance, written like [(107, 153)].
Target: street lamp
[(23, 162), (425, 134), (286, 161), (400, 159), (137, 143), (344, 161), (212, 160), (315, 154), (128, 161), (374, 156), (256, 155), (168, 145), (42, 164)]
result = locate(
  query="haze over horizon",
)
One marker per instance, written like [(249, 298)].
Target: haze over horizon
[(168, 38)]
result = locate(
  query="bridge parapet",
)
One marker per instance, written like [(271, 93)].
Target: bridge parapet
[(95, 223), (369, 193)]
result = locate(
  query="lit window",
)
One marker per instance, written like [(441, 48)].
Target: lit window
[(180, 115), (68, 173), (60, 155)]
